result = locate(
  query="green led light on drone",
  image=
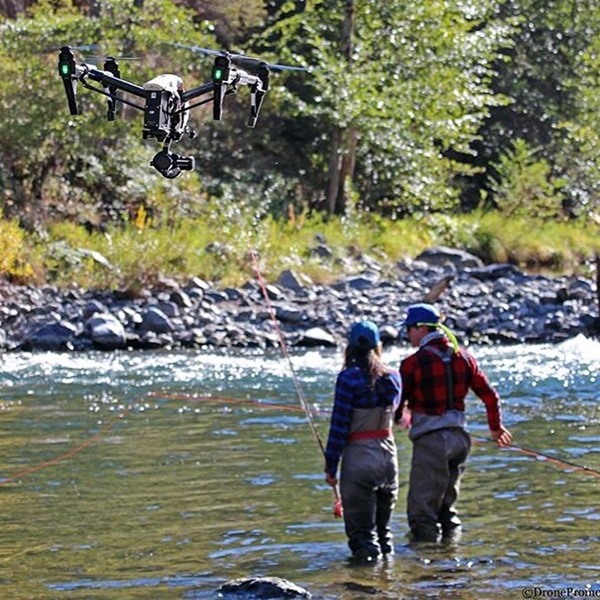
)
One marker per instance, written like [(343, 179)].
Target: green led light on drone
[(64, 69), (218, 74)]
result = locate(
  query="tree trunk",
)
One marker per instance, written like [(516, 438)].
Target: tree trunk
[(334, 170), (598, 293), (342, 156), (346, 171)]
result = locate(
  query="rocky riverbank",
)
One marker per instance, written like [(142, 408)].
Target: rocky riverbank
[(484, 304)]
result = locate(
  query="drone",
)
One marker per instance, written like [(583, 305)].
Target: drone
[(166, 104)]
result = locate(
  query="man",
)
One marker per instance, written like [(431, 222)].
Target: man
[(435, 382)]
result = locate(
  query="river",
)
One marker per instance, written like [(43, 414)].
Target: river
[(163, 474)]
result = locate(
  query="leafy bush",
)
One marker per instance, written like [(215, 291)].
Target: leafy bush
[(524, 186), (14, 263)]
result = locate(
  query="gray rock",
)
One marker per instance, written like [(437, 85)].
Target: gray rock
[(154, 320), (52, 336), (264, 587), (293, 281), (359, 282), (495, 271), (94, 306), (316, 336), (441, 255), (106, 331), (181, 298)]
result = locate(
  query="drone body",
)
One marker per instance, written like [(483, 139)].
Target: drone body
[(166, 105)]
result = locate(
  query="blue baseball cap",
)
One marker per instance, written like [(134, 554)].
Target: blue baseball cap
[(421, 314), (364, 334)]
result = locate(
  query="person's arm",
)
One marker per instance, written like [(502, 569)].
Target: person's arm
[(482, 387), (389, 389), (403, 415), (339, 426)]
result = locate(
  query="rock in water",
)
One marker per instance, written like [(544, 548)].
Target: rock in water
[(264, 587)]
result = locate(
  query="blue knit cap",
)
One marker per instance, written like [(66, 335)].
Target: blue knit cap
[(364, 334), (421, 314)]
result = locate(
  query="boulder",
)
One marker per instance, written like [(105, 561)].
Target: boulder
[(264, 587), (106, 331), (441, 255)]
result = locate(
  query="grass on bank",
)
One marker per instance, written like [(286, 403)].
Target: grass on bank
[(223, 251)]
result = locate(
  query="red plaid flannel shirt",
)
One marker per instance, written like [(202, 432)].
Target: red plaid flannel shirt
[(424, 387)]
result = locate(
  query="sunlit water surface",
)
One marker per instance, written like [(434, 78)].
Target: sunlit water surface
[(189, 489)]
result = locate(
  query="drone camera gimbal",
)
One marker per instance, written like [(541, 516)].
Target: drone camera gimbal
[(170, 165), (166, 105)]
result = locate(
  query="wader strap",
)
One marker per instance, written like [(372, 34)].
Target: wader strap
[(372, 434), (446, 358)]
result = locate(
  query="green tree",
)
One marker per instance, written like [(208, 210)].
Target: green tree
[(523, 185), (580, 154), (539, 74), (394, 90)]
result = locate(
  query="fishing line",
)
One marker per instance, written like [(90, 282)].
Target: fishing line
[(110, 424), (225, 400), (554, 460), (73, 451), (337, 510)]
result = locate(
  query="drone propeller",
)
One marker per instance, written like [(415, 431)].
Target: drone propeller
[(240, 60), (99, 58)]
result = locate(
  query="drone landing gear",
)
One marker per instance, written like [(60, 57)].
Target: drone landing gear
[(170, 165)]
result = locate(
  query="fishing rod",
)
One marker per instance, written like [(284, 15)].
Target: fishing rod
[(554, 460), (337, 507)]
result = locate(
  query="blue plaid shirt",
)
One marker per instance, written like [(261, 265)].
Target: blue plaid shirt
[(353, 390)]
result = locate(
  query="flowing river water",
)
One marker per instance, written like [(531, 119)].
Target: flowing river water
[(158, 475)]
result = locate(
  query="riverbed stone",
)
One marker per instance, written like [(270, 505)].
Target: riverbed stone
[(51, 336), (260, 588), (105, 331), (441, 255), (491, 304), (156, 321)]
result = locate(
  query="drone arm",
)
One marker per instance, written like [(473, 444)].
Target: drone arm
[(67, 69), (108, 79), (108, 94), (205, 88), (71, 91), (257, 93)]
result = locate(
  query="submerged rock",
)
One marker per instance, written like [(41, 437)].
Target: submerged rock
[(264, 587)]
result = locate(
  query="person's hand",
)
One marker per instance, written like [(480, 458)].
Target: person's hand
[(332, 481), (503, 436), (406, 418)]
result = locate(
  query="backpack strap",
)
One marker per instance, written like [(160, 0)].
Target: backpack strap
[(446, 358)]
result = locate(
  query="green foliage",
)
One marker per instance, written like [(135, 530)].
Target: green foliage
[(412, 81), (534, 244), (580, 155), (433, 95), (543, 74), (219, 246), (13, 258), (524, 185)]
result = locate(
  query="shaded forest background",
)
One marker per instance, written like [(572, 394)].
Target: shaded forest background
[(409, 111)]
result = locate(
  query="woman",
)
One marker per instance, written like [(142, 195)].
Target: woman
[(367, 393)]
